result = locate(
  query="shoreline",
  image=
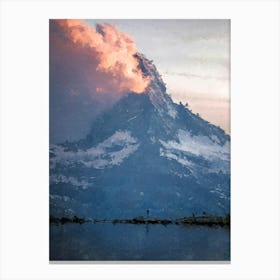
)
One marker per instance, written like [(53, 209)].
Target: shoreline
[(205, 220)]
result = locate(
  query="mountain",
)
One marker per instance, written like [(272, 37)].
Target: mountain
[(146, 152)]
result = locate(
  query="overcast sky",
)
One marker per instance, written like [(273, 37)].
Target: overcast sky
[(193, 57)]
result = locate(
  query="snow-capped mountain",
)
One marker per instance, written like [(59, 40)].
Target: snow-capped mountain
[(144, 153)]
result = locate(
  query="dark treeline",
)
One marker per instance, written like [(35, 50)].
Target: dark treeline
[(205, 220), (64, 220)]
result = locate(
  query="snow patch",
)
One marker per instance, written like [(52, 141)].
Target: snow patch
[(220, 192), (198, 146), (60, 197), (171, 111), (100, 156), (55, 179), (170, 155), (215, 138)]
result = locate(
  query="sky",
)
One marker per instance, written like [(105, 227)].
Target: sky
[(193, 57)]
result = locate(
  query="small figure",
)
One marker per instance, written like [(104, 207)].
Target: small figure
[(148, 211)]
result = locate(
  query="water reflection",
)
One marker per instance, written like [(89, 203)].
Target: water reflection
[(105, 241)]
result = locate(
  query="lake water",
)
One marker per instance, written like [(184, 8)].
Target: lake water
[(130, 242)]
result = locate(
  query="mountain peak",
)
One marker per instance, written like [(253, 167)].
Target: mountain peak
[(156, 90)]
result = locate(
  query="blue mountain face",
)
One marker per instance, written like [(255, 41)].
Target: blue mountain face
[(144, 153)]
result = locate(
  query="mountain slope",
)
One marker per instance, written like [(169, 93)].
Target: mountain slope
[(144, 153)]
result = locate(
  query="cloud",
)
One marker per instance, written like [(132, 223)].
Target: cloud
[(90, 69), (205, 77), (110, 52)]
